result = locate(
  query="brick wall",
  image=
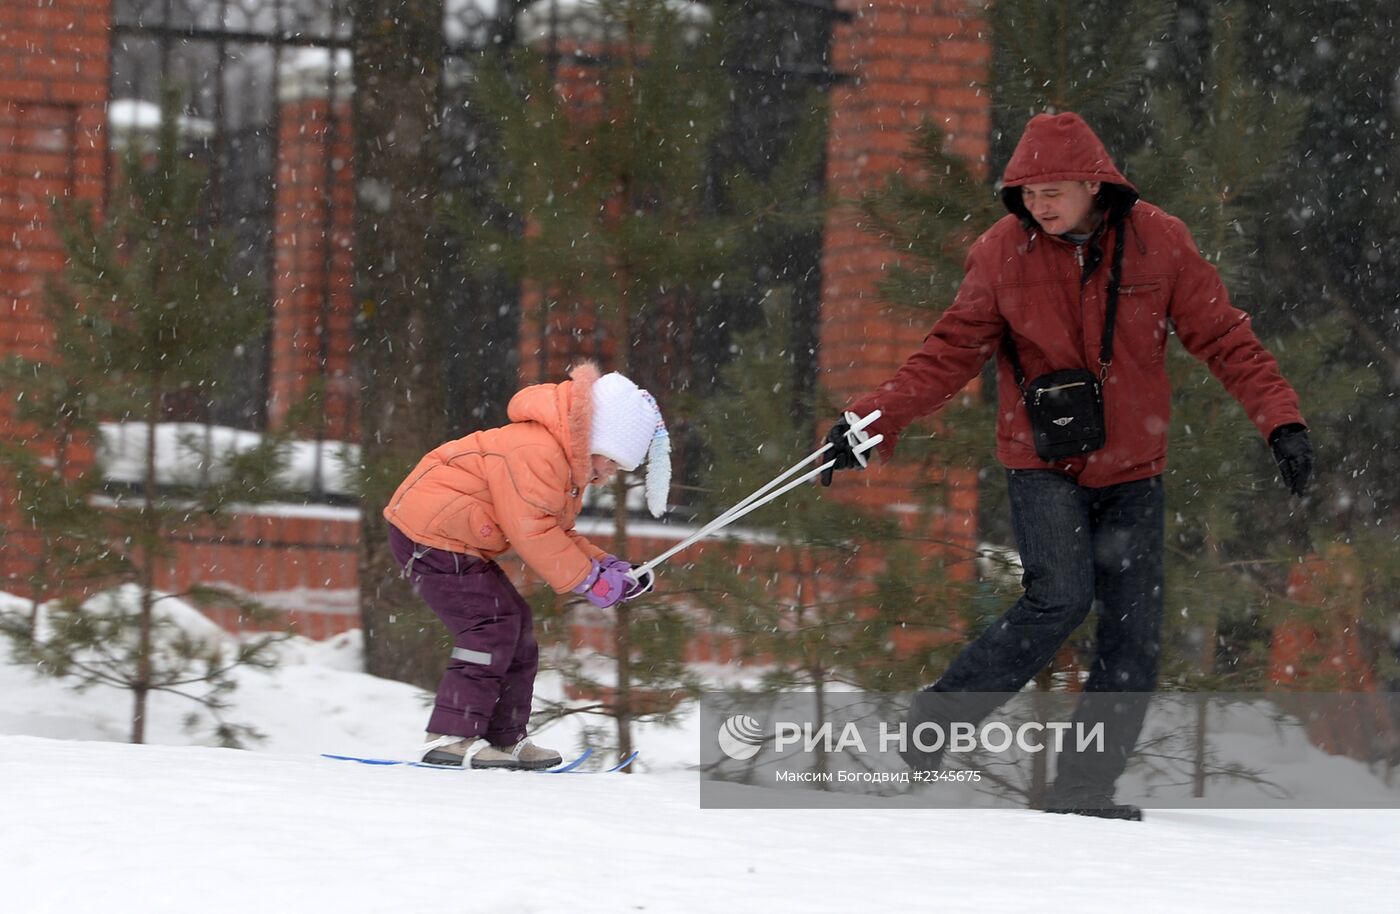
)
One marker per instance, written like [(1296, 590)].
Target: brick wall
[(300, 563), (910, 61), (53, 92), (313, 270)]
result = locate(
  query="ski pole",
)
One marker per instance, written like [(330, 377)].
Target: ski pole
[(857, 425), (724, 519), (758, 499)]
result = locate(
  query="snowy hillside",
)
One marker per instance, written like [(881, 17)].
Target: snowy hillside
[(88, 822), (117, 828)]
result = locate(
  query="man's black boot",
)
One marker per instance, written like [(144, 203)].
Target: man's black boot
[(1090, 802), (1105, 809)]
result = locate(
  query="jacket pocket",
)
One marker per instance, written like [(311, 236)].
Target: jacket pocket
[(483, 531), (1142, 318), (467, 521)]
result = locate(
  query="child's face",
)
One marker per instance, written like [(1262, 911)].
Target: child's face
[(604, 468)]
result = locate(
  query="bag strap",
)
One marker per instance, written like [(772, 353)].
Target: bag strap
[(1115, 280)]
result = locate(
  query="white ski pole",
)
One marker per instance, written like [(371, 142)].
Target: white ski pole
[(860, 445), (853, 436)]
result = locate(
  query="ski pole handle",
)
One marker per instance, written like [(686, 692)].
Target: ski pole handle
[(856, 437), (859, 424), (641, 579)]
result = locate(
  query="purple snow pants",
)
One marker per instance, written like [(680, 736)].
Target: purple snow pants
[(489, 682)]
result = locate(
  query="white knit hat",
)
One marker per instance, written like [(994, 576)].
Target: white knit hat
[(627, 428)]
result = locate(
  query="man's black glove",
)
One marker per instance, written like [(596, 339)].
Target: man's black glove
[(1294, 454), (841, 451)]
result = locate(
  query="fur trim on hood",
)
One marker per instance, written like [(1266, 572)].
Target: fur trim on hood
[(583, 376)]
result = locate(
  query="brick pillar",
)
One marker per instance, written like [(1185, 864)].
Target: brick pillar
[(53, 93), (312, 336), (908, 61)]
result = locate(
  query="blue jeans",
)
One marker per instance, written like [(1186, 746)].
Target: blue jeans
[(1080, 548)]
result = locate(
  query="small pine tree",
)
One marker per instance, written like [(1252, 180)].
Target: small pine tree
[(59, 534), (1092, 57), (146, 309)]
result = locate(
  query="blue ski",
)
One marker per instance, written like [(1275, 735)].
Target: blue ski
[(618, 767), (627, 761), (571, 765), (387, 762)]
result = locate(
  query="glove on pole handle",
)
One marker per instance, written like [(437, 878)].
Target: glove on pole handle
[(856, 436), (753, 502)]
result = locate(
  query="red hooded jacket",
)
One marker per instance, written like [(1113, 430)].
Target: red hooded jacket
[(1022, 281)]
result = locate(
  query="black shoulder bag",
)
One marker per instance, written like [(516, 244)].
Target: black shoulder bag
[(1066, 407)]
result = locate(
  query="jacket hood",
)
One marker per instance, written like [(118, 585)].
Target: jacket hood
[(1062, 147), (566, 411)]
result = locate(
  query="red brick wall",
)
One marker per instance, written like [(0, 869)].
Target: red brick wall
[(312, 262), (53, 93), (303, 564)]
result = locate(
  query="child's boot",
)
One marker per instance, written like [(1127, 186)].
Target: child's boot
[(446, 750), (523, 756)]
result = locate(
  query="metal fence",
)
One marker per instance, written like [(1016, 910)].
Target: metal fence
[(238, 62)]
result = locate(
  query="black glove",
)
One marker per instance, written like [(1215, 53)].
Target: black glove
[(1294, 454), (841, 452)]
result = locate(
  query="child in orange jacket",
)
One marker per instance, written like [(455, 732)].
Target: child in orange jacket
[(518, 487)]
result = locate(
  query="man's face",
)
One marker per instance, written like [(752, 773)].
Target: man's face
[(1062, 206)]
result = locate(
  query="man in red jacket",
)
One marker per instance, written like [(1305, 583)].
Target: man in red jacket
[(1073, 292)]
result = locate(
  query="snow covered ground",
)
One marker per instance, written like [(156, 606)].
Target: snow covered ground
[(88, 822)]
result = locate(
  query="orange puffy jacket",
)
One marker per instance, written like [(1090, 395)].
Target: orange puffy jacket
[(518, 486)]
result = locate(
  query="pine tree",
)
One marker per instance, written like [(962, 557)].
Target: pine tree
[(1328, 247), (1215, 160), (146, 310), (1328, 252), (60, 536), (628, 208), (403, 322), (1093, 58)]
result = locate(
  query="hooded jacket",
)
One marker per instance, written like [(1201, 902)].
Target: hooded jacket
[(518, 486), (1049, 294)]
